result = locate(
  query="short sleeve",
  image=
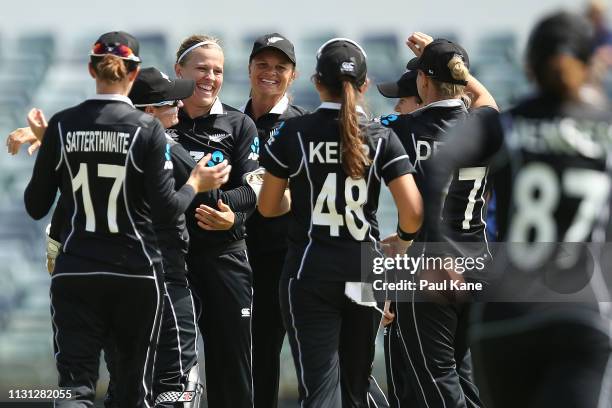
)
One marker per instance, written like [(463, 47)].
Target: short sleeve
[(394, 161), (274, 155)]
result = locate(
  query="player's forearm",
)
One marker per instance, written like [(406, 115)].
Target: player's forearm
[(480, 95), (167, 209), (282, 207), (38, 198), (240, 199)]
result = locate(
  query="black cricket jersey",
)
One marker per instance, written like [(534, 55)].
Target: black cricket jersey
[(227, 134), (556, 182), (113, 168), (173, 238), (332, 215), (564, 147), (423, 133), (552, 178), (266, 235)]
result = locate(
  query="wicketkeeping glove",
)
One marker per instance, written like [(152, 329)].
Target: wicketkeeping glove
[(53, 250)]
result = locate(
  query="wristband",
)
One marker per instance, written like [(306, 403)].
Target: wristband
[(406, 236)]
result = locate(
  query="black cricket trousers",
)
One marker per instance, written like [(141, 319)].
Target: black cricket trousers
[(332, 341), (91, 309), (268, 328), (222, 288)]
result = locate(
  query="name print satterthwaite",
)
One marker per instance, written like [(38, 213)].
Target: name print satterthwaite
[(97, 141)]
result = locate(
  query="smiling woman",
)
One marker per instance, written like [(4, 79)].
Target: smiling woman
[(271, 72), (218, 268), (201, 58)]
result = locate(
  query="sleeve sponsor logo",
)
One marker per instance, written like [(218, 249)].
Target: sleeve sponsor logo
[(168, 156), (254, 154), (386, 120)]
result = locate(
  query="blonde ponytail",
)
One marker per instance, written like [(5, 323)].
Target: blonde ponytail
[(459, 71)]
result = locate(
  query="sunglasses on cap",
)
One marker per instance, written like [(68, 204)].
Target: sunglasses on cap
[(333, 40), (119, 50), (166, 103)]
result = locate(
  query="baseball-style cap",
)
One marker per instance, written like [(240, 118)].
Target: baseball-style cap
[(435, 58), (118, 43), (404, 87), (340, 57), (561, 33), (153, 87), (273, 41)]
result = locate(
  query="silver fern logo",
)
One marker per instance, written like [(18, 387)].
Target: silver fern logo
[(218, 137)]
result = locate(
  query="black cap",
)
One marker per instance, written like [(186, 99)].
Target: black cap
[(435, 58), (273, 41), (404, 87), (561, 33), (118, 43), (153, 86), (340, 57)]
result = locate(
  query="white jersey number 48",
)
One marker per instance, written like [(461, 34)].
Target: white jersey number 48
[(352, 210)]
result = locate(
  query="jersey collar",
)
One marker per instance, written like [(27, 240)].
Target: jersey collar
[(337, 106), (446, 103), (281, 106), (112, 97), (278, 109), (217, 108)]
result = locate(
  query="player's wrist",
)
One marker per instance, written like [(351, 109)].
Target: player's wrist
[(406, 236), (192, 182)]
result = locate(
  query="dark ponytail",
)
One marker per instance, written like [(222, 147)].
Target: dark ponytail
[(354, 158)]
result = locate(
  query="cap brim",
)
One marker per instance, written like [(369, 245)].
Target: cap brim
[(131, 58), (182, 89), (389, 89), (273, 47)]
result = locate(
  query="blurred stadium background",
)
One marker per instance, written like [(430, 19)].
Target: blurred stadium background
[(43, 55)]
